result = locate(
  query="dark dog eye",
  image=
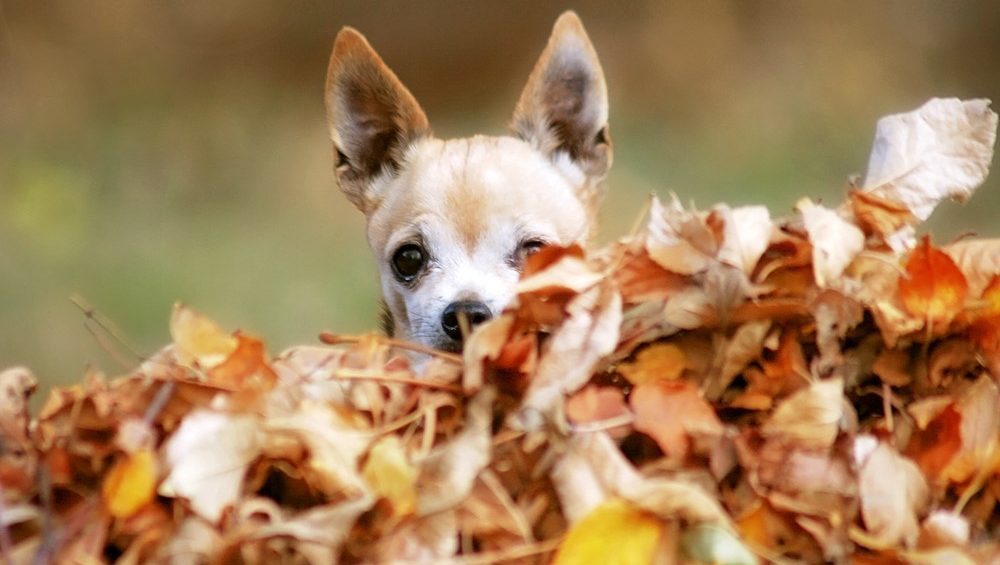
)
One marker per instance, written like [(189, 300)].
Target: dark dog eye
[(408, 261), (526, 249)]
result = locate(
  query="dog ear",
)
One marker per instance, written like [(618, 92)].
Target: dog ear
[(372, 117), (564, 106)]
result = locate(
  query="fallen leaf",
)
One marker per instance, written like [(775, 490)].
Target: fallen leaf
[(670, 412), (706, 543), (893, 495), (614, 532), (207, 458), (390, 474), (979, 261), (199, 339), (809, 417), (596, 404), (679, 240), (933, 289), (662, 360), (941, 150), (130, 484), (835, 241), (746, 233), (879, 215)]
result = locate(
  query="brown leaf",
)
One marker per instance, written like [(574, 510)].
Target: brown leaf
[(810, 417), (670, 412), (893, 495), (933, 289)]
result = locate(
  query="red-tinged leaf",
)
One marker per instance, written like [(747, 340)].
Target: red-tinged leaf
[(669, 412), (936, 445), (934, 289), (595, 404), (245, 367)]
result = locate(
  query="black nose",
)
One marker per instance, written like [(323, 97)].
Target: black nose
[(474, 312)]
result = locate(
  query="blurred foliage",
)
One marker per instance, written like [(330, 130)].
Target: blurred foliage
[(161, 151)]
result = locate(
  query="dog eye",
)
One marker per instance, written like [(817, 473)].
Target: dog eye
[(526, 249), (408, 261)]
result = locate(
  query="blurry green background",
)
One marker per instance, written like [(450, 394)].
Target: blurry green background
[(154, 151)]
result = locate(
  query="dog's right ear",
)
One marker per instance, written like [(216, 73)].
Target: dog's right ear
[(372, 117)]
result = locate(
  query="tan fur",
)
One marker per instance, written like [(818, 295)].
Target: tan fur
[(470, 204)]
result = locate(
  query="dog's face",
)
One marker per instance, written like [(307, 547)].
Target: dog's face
[(452, 221)]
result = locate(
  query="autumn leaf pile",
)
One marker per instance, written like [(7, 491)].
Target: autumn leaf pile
[(718, 387)]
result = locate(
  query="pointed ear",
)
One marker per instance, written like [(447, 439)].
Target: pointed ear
[(372, 117), (564, 106)]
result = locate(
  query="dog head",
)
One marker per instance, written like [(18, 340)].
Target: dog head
[(451, 221)]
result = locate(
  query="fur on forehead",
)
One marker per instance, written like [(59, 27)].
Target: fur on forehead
[(470, 184)]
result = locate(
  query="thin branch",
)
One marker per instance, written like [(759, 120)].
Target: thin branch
[(330, 338), (107, 326)]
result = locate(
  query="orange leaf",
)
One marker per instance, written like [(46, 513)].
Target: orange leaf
[(669, 412), (595, 403), (934, 288), (245, 367), (614, 532), (662, 360), (936, 445), (130, 484)]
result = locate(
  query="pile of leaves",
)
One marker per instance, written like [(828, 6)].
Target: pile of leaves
[(718, 387)]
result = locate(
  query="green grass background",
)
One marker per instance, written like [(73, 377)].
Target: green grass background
[(160, 151)]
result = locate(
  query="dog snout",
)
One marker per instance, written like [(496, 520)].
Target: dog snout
[(474, 312)]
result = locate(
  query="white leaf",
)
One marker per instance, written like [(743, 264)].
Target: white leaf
[(941, 150), (836, 242), (745, 236), (208, 456)]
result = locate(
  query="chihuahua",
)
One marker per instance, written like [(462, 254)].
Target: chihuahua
[(451, 221)]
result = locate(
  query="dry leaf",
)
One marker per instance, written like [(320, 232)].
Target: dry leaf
[(810, 417), (207, 458), (199, 339), (835, 241), (979, 261), (130, 484), (941, 150), (933, 289), (746, 233), (679, 240), (670, 412), (614, 532), (893, 494), (390, 474), (662, 360)]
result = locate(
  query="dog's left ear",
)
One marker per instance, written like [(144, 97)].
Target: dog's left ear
[(564, 106)]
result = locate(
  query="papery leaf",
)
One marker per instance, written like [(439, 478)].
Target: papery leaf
[(207, 458), (941, 150), (979, 261), (679, 240), (199, 339), (934, 289), (893, 493), (706, 543), (746, 233), (669, 412), (616, 532), (130, 484), (663, 360), (596, 403), (809, 417), (390, 474), (835, 241)]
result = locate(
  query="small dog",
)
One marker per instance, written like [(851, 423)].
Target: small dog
[(452, 221)]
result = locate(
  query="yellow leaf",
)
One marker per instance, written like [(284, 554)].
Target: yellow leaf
[(614, 533), (390, 474), (659, 361), (199, 339), (130, 484)]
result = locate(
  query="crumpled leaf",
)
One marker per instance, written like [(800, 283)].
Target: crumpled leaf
[(389, 473), (670, 412), (746, 233), (893, 494), (663, 360), (614, 532), (941, 150), (130, 484), (835, 241), (809, 417), (596, 404), (679, 240), (199, 339), (933, 289), (207, 459), (978, 259), (705, 543)]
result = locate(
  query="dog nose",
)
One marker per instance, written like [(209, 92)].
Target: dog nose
[(475, 313)]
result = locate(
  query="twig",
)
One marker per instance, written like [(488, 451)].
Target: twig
[(598, 425), (331, 338), (516, 552), (93, 316), (394, 377), (492, 482), (159, 402)]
